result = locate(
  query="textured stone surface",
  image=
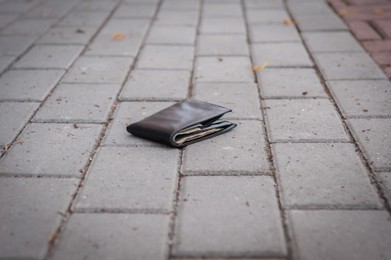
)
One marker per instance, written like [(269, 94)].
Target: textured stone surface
[(28, 27), (156, 85), (362, 97), (323, 175), (73, 103), (299, 120), (171, 34), (341, 234), (273, 33), (331, 42), (290, 82), (166, 57), (28, 85), (385, 182), (241, 151), (15, 44), (45, 150), (223, 69), (83, 19), (173, 17), (222, 25), (99, 70), (222, 10), (373, 138), (210, 44), (319, 22), (137, 181), (266, 16), (180, 5), (119, 236), (31, 212), (136, 10), (242, 98), (13, 117), (5, 61), (263, 4), (45, 56), (68, 35), (347, 66), (229, 216)]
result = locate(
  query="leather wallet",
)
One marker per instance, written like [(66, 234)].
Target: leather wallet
[(183, 123)]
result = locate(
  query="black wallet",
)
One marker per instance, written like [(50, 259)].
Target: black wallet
[(183, 123)]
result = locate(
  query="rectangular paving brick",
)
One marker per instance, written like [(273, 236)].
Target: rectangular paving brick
[(347, 65), (263, 4), (309, 7), (68, 35), (49, 56), (137, 181), (180, 5), (323, 176), (341, 234), (133, 30), (385, 182), (241, 151), (172, 34), (222, 10), (127, 113), (18, 6), (50, 10), (266, 16), (73, 103), (281, 54), (384, 27), (223, 69), (273, 33), (31, 212), (6, 19), (13, 117), (28, 26), (5, 62), (136, 10), (222, 25), (290, 82), (99, 70), (28, 85), (363, 31), (319, 22), (382, 58), (331, 42), (242, 98), (156, 85), (97, 6), (45, 150), (306, 119), (79, 18), (209, 44), (91, 236), (173, 17), (166, 57), (15, 44), (229, 216), (362, 97), (373, 136)]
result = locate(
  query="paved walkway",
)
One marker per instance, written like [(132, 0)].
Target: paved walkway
[(305, 175)]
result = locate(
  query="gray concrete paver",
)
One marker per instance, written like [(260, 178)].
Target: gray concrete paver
[(68, 35), (15, 44), (28, 27), (222, 44)]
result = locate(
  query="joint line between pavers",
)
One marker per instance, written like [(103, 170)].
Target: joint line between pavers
[(226, 173), (142, 211)]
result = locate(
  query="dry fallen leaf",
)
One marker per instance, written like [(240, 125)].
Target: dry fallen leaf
[(260, 67), (288, 21), (118, 36), (378, 11)]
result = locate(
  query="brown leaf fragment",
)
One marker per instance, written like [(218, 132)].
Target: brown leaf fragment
[(260, 67), (288, 21), (118, 36)]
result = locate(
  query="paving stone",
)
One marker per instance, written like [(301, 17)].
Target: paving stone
[(48, 10), (133, 30), (382, 58), (28, 85), (99, 70), (341, 234), (78, 18), (5, 61), (136, 237), (241, 151), (15, 45), (309, 119), (173, 17), (181, 4), (222, 25), (127, 113), (31, 212), (281, 54), (310, 8), (222, 9), (156, 85), (44, 143), (17, 6), (323, 176), (319, 22), (263, 4), (166, 57), (373, 138), (172, 34), (290, 82), (385, 182), (242, 98), (331, 42), (229, 216), (135, 181), (13, 118), (384, 27), (73, 103), (273, 33), (6, 19), (68, 35), (223, 69), (208, 44), (347, 65), (135, 11), (96, 6), (46, 56), (28, 27), (140, 1), (362, 97), (266, 16), (363, 31)]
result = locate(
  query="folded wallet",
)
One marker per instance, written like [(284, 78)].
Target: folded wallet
[(183, 123)]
